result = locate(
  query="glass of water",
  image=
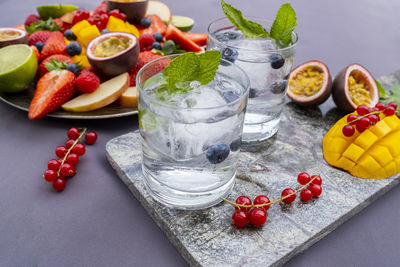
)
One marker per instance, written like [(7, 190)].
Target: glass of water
[(268, 66), (191, 140)]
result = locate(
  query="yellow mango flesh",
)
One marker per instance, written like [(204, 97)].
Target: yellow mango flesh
[(374, 153)]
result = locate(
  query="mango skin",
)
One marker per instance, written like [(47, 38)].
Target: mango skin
[(373, 154)]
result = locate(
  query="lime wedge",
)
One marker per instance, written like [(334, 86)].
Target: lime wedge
[(18, 66), (183, 23), (54, 11)]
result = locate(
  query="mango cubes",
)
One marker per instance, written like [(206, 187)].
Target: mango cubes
[(374, 153)]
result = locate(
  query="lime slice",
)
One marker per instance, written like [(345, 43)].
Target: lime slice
[(18, 66), (54, 11), (183, 23)]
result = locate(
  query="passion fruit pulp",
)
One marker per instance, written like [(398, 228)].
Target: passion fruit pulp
[(310, 83), (353, 86), (10, 36)]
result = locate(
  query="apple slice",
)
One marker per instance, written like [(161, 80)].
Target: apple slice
[(67, 18), (130, 97), (160, 9), (107, 93)]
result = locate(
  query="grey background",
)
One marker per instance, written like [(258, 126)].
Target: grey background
[(97, 222)]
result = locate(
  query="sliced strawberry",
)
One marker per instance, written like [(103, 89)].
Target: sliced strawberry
[(157, 25), (36, 51), (198, 38), (144, 58), (42, 70), (54, 45), (52, 90), (176, 35), (39, 36)]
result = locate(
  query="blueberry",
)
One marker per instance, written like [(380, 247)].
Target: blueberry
[(229, 54), (74, 49), (39, 46), (278, 87), (158, 37), (217, 153), (221, 37), (105, 31), (252, 93), (74, 68), (277, 61), (145, 22), (70, 35), (235, 145), (230, 96), (156, 45)]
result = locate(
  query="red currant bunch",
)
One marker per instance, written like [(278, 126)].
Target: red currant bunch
[(367, 117), (69, 156)]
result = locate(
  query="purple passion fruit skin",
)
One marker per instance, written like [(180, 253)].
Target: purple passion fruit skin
[(120, 59), (353, 86), (134, 10), (10, 36), (310, 84)]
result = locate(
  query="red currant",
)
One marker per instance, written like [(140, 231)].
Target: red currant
[(91, 21), (239, 218), (380, 106), (315, 189), (306, 195), (303, 178), (91, 138), (61, 151), (53, 165), (122, 16), (73, 133), (69, 143), (114, 12), (375, 109), (50, 176), (360, 129), (59, 185), (79, 149), (243, 200), (348, 130), (257, 217), (67, 170), (364, 122), (393, 104), (260, 200), (72, 159), (287, 192), (352, 118), (389, 111), (362, 110), (373, 118), (316, 179)]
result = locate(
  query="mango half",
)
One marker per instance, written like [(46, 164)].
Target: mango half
[(374, 153)]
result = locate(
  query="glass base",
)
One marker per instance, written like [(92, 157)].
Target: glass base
[(178, 199), (257, 132)]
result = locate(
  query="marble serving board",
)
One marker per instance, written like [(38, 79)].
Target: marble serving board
[(207, 237)]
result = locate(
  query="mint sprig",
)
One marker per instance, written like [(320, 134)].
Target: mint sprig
[(281, 30), (392, 96)]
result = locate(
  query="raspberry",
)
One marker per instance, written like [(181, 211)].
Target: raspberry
[(87, 82), (146, 40)]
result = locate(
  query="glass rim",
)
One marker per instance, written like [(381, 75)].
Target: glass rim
[(170, 106), (291, 46)]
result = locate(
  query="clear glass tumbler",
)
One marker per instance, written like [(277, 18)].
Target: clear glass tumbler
[(268, 66), (191, 141)]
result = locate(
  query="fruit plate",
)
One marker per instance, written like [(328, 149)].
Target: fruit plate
[(22, 101)]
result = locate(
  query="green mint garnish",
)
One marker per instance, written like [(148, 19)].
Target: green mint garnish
[(191, 67), (249, 28), (392, 96), (284, 24), (281, 30), (381, 90)]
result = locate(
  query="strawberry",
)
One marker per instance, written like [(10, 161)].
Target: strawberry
[(42, 70), (54, 45), (32, 18), (39, 36), (144, 58), (198, 38), (176, 35), (87, 82), (52, 90), (157, 25), (36, 51)]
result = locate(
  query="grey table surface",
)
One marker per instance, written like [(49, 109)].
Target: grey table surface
[(97, 222)]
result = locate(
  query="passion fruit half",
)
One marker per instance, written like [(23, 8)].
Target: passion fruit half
[(353, 86), (113, 53), (10, 36), (310, 83)]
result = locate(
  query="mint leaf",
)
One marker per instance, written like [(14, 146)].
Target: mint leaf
[(182, 69), (392, 96), (284, 24), (209, 63), (381, 90), (250, 29)]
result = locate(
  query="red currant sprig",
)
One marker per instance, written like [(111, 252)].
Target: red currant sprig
[(367, 117), (256, 212)]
